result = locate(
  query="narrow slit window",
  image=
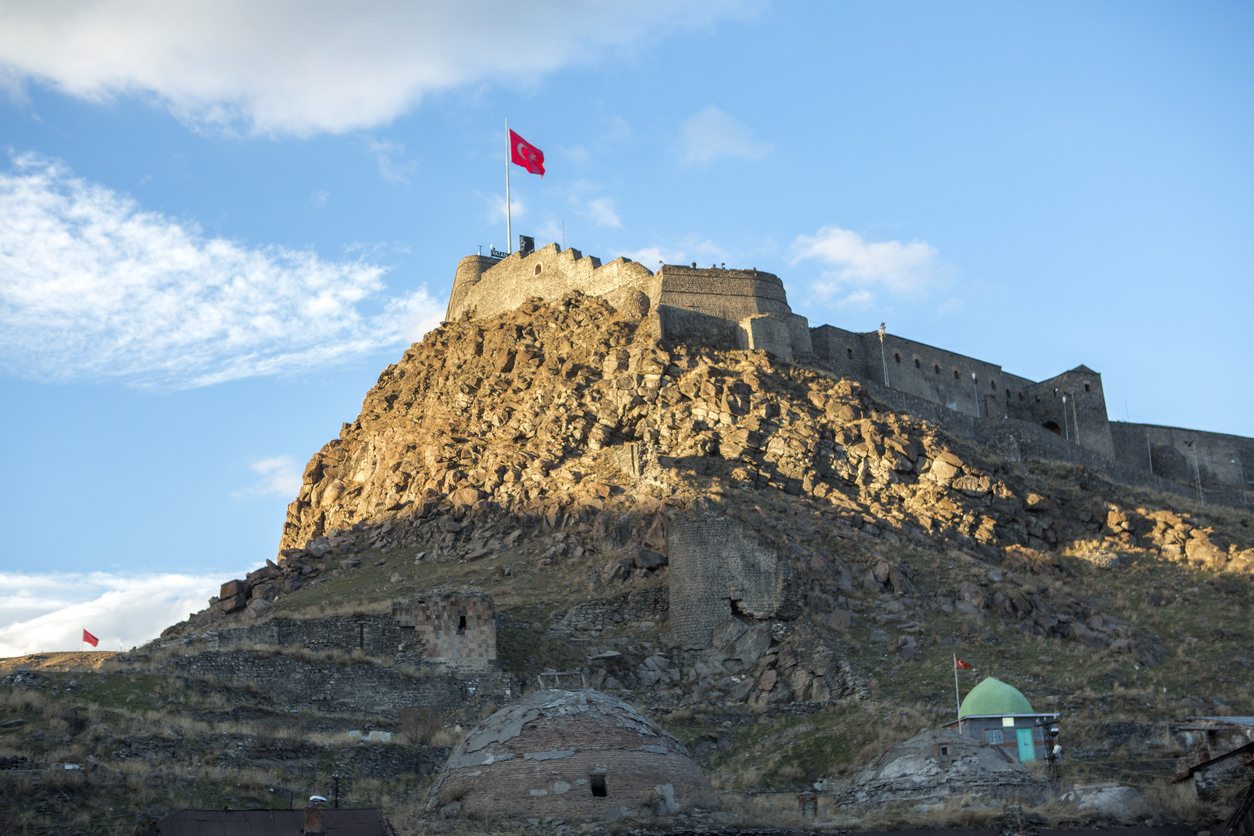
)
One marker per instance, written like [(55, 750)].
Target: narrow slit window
[(461, 623), (538, 269), (596, 783), (897, 357), (955, 374), (849, 353), (938, 368), (917, 364)]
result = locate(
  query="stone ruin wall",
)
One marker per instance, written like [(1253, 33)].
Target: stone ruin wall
[(457, 631), (718, 568), (336, 687)]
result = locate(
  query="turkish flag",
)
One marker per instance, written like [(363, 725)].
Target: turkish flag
[(960, 665), (89, 638), (525, 154)]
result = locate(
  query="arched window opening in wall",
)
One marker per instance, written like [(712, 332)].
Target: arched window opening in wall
[(538, 269), (917, 364), (1052, 427), (1007, 395), (938, 368), (955, 374), (849, 352), (992, 384), (1086, 387), (897, 357)]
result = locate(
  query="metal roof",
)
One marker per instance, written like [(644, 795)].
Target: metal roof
[(336, 821)]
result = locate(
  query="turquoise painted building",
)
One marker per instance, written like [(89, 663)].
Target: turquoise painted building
[(1001, 716)]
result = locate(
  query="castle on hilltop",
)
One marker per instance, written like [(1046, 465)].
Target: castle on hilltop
[(1061, 418)]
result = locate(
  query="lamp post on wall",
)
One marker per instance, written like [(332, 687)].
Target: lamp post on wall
[(975, 387), (1066, 425), (1241, 470), (1197, 471), (883, 356)]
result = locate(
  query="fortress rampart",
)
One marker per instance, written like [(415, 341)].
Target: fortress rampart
[(748, 310)]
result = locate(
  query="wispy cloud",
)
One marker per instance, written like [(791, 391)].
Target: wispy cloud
[(318, 199), (289, 66), (93, 287), (279, 476), (601, 210), (46, 612), (711, 135), (390, 168), (856, 269), (496, 207)]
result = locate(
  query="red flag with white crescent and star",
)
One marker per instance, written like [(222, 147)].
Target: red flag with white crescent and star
[(961, 665), (89, 638), (525, 154)]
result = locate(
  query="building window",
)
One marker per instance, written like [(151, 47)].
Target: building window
[(992, 384), (1086, 387), (1020, 395), (944, 750), (537, 269), (955, 374), (993, 736), (897, 357), (849, 353), (937, 368), (596, 782), (461, 623), (1007, 395), (917, 364)]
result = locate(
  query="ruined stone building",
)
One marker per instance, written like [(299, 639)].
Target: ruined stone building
[(1064, 417), (449, 636), (578, 754)]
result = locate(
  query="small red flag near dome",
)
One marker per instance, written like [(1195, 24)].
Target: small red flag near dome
[(525, 154), (89, 638), (961, 665)]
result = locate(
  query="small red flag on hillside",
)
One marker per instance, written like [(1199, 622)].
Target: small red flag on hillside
[(89, 638), (961, 665), (525, 154)]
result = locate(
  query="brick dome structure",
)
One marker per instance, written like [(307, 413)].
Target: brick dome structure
[(579, 754)]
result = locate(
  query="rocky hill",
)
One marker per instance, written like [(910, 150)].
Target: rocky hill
[(549, 456)]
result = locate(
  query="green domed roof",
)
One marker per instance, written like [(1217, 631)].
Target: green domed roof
[(992, 696)]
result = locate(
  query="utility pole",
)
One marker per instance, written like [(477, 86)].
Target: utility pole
[(883, 356)]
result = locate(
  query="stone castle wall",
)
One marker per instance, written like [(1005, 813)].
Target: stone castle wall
[(748, 310)]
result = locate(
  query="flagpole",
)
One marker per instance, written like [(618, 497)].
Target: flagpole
[(509, 231), (957, 697)]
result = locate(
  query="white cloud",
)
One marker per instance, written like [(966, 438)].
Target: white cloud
[(712, 135), (857, 268), (601, 210), (93, 287), (280, 476), (291, 66), (390, 169), (48, 612), (690, 248), (496, 207), (318, 200)]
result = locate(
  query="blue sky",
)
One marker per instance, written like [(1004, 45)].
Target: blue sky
[(219, 223)]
